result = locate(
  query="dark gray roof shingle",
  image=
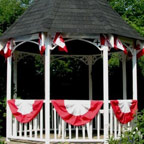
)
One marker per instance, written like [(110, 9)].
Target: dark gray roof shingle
[(70, 16)]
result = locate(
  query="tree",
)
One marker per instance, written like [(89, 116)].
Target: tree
[(132, 11), (10, 10)]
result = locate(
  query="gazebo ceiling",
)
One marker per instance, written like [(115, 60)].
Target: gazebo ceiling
[(80, 17)]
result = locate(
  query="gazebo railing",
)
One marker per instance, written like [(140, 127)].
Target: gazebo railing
[(63, 132), (115, 127)]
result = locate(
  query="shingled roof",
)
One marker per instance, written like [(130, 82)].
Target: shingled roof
[(87, 17)]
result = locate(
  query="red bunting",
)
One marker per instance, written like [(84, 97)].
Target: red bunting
[(77, 112), (25, 110), (124, 110)]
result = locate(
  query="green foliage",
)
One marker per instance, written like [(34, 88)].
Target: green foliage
[(39, 67), (61, 68), (64, 69), (10, 10), (132, 11), (135, 136), (114, 61), (141, 64)]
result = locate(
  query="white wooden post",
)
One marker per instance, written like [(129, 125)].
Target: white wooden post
[(15, 122), (47, 89), (15, 75), (90, 77), (134, 69), (124, 76), (8, 95), (90, 89), (105, 92)]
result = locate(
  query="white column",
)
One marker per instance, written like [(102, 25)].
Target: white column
[(47, 90), (8, 95), (105, 92), (90, 77), (134, 70), (90, 88), (15, 75), (124, 76)]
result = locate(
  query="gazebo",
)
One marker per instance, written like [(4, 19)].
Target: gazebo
[(93, 23)]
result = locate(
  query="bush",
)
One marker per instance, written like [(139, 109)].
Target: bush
[(135, 136)]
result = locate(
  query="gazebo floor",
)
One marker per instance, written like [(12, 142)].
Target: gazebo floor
[(16, 141)]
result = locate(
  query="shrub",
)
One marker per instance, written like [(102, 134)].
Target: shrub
[(135, 136)]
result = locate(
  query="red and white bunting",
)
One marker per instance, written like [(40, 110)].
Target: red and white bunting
[(41, 43), (124, 110), (7, 50), (105, 41), (118, 45), (25, 110), (77, 112), (59, 41)]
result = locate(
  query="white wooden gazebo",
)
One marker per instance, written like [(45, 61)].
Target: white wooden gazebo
[(76, 20)]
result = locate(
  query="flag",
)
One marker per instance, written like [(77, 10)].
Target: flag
[(7, 50), (41, 44), (137, 45), (124, 110), (118, 45), (77, 112), (25, 110), (140, 47), (105, 41), (140, 53), (59, 41)]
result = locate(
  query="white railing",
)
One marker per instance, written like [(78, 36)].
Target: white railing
[(115, 127), (33, 130), (63, 132)]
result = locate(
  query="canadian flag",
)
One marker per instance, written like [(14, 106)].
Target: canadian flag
[(137, 45), (140, 53), (77, 112), (25, 110), (140, 47), (105, 41), (59, 41), (41, 44), (7, 50), (124, 110), (118, 45)]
